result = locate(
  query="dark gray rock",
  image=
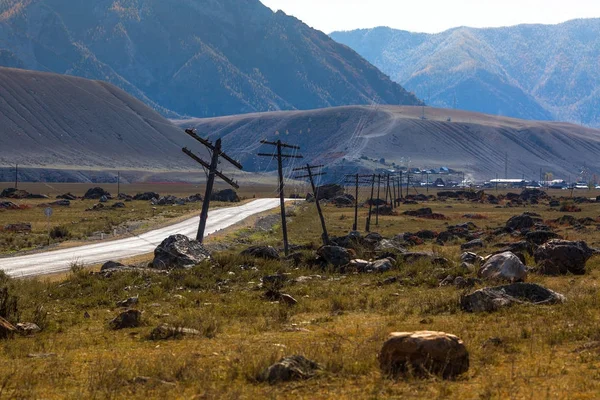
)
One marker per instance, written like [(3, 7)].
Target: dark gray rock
[(266, 252), (492, 299), (519, 222), (112, 265), (179, 251), (328, 192), (289, 369), (96, 193), (473, 244), (127, 319), (540, 237), (559, 257), (146, 196), (335, 255)]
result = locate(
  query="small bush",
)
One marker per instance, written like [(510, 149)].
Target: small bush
[(60, 232)]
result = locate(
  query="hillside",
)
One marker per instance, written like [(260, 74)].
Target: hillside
[(67, 123), (472, 142), (194, 57), (542, 72)]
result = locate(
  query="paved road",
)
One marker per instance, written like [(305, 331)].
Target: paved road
[(61, 260)]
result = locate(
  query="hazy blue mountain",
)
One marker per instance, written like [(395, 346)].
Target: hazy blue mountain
[(192, 57), (527, 71)]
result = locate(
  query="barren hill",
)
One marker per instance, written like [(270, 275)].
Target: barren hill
[(472, 142), (195, 57), (55, 121)]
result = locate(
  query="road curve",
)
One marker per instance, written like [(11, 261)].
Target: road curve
[(61, 260)]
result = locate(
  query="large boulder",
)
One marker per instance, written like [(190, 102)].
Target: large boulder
[(335, 255), (424, 353), (328, 192), (266, 252), (473, 244), (345, 200), (559, 257), (226, 195), (179, 251), (504, 266), (289, 369), (96, 194), (492, 299)]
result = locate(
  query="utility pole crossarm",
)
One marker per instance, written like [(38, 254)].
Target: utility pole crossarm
[(207, 166), (276, 155), (287, 146), (209, 145)]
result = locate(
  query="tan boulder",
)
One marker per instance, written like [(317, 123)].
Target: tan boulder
[(424, 353)]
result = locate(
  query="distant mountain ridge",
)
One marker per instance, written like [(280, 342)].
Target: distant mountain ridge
[(192, 57), (540, 72)]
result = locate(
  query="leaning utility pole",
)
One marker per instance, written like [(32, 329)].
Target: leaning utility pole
[(212, 172), (368, 227), (309, 168), (16, 175), (280, 158)]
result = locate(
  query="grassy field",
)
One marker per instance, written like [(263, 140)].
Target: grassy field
[(340, 321), (81, 225)]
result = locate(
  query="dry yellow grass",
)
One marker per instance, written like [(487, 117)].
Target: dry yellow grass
[(341, 322)]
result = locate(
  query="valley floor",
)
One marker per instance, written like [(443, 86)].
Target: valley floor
[(340, 321)]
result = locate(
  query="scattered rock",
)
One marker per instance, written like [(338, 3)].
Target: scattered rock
[(96, 194), (492, 299), (274, 282), (27, 328), (17, 228), (505, 266), (540, 237), (67, 196), (128, 302), (111, 265), (96, 207), (266, 252), (118, 205), (335, 255), (147, 196), (559, 257), (380, 266), (289, 369), (343, 201), (12, 193), (103, 199), (166, 331), (425, 213), (473, 244), (519, 222), (179, 251), (424, 353), (386, 245), (127, 319), (471, 258), (8, 205)]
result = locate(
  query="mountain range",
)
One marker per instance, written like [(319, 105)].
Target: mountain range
[(192, 57), (540, 72)]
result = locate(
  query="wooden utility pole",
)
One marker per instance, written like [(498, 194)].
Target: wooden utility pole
[(378, 195), (368, 227), (387, 189), (309, 168), (356, 180), (16, 175), (407, 182), (395, 199), (212, 168), (280, 156)]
